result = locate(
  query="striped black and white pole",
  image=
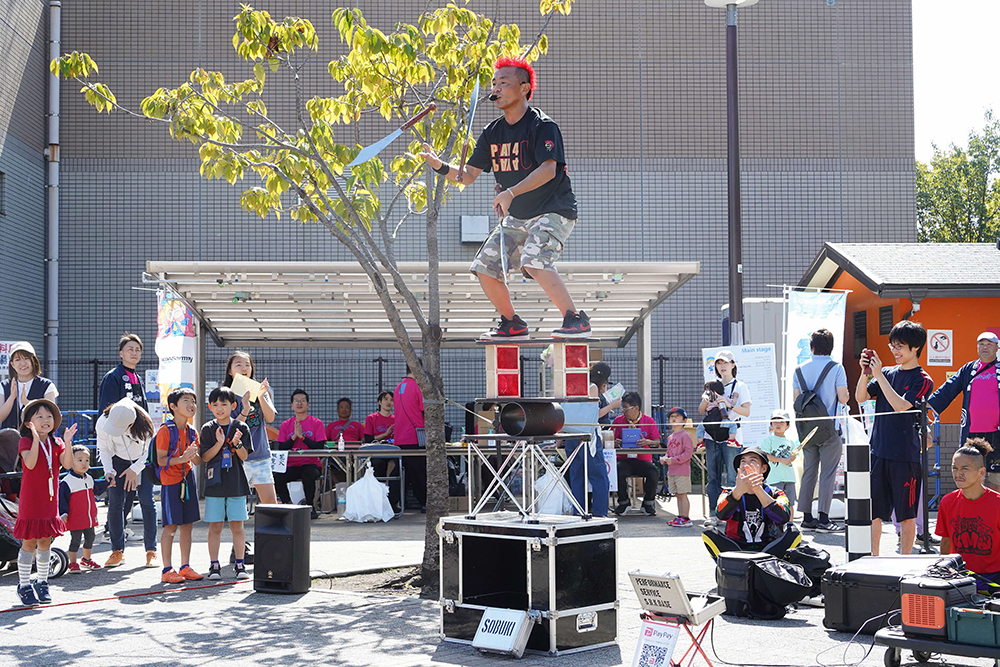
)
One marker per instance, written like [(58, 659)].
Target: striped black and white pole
[(857, 480)]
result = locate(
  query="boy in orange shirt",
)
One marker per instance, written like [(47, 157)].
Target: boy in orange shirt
[(176, 456)]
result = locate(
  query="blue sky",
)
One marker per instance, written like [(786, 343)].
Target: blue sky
[(954, 46)]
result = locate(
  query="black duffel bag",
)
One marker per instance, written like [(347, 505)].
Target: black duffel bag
[(814, 561)]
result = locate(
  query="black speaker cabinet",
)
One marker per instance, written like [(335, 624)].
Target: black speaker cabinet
[(563, 567), (281, 549)]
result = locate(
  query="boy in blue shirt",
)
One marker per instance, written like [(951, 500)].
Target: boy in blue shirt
[(895, 472)]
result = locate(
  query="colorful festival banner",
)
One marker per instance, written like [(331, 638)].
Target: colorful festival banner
[(176, 346)]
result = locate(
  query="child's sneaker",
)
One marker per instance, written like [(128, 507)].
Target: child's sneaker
[(507, 329), (190, 574), (215, 571), (73, 568), (42, 592), (575, 325), (27, 595), (88, 564), (679, 522), (171, 577), (241, 572)]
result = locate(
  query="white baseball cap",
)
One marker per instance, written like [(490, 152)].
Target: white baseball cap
[(990, 336), (121, 416)]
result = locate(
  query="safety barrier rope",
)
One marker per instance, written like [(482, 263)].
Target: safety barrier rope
[(122, 597)]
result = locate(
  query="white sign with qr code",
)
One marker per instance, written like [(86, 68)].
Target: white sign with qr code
[(656, 644)]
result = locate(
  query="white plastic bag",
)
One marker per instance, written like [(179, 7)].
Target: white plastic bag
[(368, 500), (552, 498)]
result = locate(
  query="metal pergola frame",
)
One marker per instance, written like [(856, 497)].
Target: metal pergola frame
[(335, 305)]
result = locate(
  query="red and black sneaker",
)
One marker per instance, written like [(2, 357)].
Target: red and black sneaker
[(507, 329), (575, 325)]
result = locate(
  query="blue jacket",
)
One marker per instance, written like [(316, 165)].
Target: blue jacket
[(959, 382), (115, 386)]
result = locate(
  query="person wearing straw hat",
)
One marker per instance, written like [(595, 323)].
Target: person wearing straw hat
[(979, 384), (755, 515)]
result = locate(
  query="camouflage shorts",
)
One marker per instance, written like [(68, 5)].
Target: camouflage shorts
[(536, 243)]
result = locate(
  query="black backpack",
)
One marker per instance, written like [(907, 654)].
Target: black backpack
[(714, 417), (809, 406)]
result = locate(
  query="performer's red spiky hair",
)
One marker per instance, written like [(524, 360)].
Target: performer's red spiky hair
[(521, 64)]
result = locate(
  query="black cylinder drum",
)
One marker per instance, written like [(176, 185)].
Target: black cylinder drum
[(531, 418)]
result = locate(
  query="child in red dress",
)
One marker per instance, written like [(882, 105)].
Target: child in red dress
[(38, 506)]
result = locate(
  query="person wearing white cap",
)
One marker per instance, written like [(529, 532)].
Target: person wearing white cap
[(979, 385), (123, 435), (24, 384)]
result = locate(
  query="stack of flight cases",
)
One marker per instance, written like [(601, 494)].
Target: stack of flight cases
[(869, 588), (561, 567)]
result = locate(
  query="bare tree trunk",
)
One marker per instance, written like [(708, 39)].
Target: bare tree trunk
[(437, 461)]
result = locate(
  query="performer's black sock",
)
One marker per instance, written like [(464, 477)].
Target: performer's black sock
[(824, 517), (806, 516)]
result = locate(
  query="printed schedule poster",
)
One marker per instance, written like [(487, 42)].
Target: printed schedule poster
[(755, 367)]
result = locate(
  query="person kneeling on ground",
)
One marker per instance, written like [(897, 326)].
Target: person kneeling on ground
[(969, 518), (756, 516)]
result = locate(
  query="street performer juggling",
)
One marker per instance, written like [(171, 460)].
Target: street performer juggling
[(524, 150)]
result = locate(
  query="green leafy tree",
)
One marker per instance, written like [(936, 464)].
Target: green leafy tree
[(958, 195), (299, 163)]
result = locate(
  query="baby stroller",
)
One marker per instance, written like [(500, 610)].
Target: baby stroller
[(9, 545)]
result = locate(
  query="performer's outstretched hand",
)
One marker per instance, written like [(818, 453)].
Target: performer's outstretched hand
[(430, 157)]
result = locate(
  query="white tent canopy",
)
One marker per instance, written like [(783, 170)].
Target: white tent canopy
[(334, 304)]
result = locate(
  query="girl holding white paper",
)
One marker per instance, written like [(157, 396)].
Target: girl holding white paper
[(255, 406)]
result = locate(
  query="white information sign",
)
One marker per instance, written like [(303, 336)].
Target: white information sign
[(755, 367), (279, 461), (656, 644), (611, 463), (940, 347)]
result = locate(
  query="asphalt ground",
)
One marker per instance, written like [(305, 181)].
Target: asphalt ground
[(124, 616)]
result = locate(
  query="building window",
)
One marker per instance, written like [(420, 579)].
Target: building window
[(860, 332), (884, 320)]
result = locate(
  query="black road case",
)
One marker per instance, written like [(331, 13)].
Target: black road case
[(869, 586), (562, 566)]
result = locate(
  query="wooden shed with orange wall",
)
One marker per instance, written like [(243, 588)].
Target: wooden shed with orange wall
[(948, 287)]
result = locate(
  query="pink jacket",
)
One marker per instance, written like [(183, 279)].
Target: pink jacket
[(679, 449)]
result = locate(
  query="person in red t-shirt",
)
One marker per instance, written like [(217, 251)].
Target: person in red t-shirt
[(969, 518), (353, 431), (379, 426), (635, 465)]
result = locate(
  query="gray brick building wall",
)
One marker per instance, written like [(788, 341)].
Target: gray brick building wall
[(23, 32), (639, 91)]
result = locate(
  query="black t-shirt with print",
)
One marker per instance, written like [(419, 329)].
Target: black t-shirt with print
[(512, 152), (234, 480)]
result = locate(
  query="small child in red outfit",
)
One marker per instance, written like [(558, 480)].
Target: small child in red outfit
[(78, 508), (38, 507)]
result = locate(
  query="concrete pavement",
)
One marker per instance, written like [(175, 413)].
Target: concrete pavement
[(231, 624)]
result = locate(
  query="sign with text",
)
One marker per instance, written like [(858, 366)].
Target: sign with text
[(755, 367), (5, 347), (656, 644), (279, 461), (940, 347)]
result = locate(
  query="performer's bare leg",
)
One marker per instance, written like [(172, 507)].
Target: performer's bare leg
[(554, 287), (550, 281)]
